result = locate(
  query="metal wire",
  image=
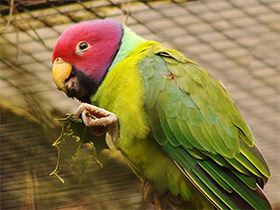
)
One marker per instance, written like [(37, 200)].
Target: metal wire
[(236, 40)]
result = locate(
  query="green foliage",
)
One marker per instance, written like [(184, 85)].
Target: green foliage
[(74, 128)]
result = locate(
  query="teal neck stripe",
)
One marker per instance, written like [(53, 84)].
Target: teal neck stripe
[(130, 41)]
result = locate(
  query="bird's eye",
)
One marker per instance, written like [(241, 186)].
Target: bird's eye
[(82, 47)]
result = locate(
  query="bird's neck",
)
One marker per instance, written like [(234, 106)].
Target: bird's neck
[(129, 42)]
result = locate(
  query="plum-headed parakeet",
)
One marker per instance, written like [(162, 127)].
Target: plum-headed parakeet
[(176, 126)]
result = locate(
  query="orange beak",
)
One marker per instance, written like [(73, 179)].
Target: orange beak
[(61, 72)]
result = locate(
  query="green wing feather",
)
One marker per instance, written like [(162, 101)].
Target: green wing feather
[(196, 122)]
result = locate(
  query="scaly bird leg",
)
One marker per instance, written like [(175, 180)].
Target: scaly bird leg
[(99, 119), (150, 195), (157, 202)]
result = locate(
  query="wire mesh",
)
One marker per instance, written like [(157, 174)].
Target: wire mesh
[(238, 41)]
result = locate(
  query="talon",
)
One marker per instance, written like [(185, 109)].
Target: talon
[(143, 185), (148, 190), (151, 195), (102, 118), (157, 202)]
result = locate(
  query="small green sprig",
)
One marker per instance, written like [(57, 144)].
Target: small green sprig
[(74, 128)]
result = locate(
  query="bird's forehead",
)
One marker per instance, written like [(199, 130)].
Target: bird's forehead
[(76, 33), (70, 38), (91, 32)]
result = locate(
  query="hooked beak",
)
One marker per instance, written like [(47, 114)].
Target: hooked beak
[(61, 71)]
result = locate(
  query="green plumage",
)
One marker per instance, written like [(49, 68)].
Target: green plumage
[(173, 115), (196, 112)]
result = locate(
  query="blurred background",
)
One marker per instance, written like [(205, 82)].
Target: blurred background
[(238, 41)]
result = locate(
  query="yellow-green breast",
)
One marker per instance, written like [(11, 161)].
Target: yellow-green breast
[(122, 92)]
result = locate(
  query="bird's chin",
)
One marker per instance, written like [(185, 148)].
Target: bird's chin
[(74, 88)]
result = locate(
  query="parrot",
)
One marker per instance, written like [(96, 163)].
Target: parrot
[(175, 125)]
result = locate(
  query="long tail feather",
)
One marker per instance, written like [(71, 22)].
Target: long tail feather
[(223, 188)]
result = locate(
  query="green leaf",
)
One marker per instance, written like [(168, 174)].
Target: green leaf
[(74, 128)]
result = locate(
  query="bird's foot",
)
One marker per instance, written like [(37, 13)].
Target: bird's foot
[(99, 119), (151, 195)]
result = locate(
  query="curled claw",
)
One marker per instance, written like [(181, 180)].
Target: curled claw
[(150, 195), (94, 116), (100, 119)]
